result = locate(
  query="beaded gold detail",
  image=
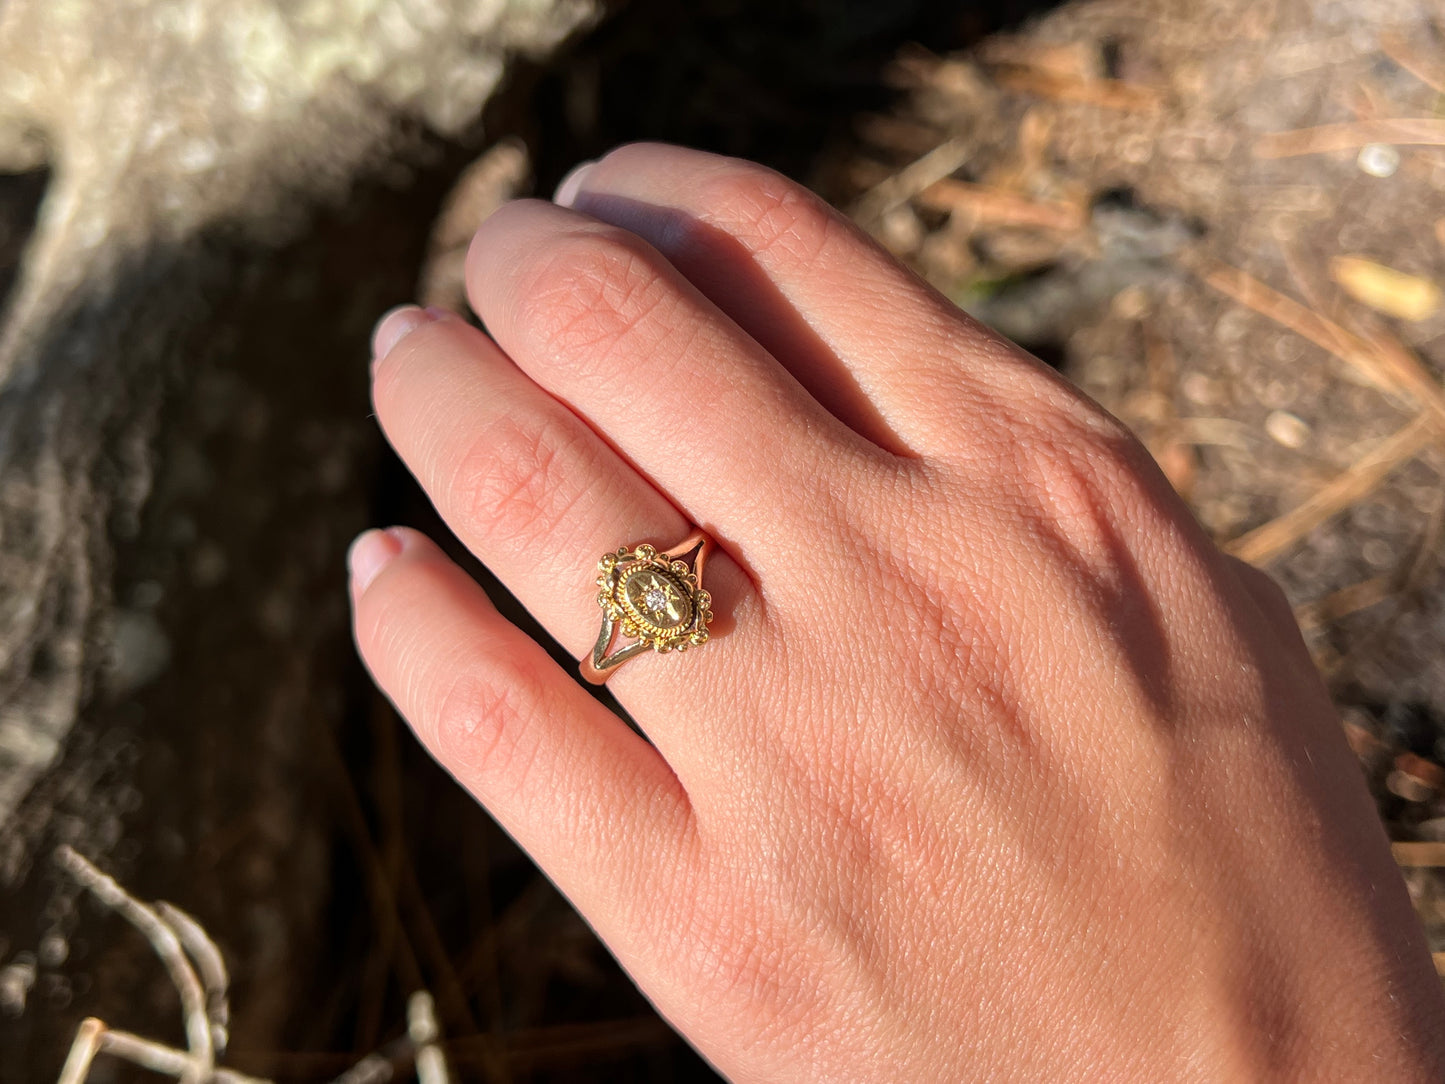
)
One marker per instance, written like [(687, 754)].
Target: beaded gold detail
[(653, 597)]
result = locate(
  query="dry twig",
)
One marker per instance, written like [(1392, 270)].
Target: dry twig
[(1345, 601), (990, 206), (210, 967), (183, 947), (1418, 854), (93, 1038), (372, 1069), (1385, 289), (1075, 59), (1103, 93), (913, 178), (82, 1051), (421, 1027), (159, 1058), (1428, 548), (167, 946), (534, 1049), (1351, 136), (1384, 363), (1426, 69), (1268, 541)]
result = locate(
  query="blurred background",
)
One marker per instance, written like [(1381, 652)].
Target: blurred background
[(1224, 219)]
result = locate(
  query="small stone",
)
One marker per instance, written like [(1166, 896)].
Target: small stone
[(1415, 779), (1378, 553), (1378, 159), (1287, 429), (1130, 303), (1199, 389), (1426, 771)]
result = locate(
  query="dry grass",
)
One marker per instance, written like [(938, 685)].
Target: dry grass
[(1351, 486), (1351, 136)]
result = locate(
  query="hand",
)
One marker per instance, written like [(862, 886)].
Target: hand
[(995, 768)]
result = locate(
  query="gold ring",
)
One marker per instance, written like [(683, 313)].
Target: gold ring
[(653, 596)]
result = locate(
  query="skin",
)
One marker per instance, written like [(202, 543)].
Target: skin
[(995, 768)]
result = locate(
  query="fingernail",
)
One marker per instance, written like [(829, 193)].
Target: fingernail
[(571, 184), (371, 552), (397, 325)]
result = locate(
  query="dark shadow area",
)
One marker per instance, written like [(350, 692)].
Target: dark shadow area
[(767, 81), (20, 198)]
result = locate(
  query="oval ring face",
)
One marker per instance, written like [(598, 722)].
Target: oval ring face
[(655, 598)]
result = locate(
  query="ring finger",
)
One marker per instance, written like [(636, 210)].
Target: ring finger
[(529, 487)]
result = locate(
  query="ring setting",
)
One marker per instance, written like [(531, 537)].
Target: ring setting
[(652, 596)]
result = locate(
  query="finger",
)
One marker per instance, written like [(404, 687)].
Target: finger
[(526, 484), (885, 352), (593, 803), (1273, 605), (603, 322)]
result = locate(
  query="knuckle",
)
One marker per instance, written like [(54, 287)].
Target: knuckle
[(770, 212), (1265, 588), (519, 480), (589, 293), (479, 729), (1085, 479), (1073, 444), (733, 962), (1052, 405)]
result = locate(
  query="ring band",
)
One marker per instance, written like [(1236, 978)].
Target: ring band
[(653, 596)]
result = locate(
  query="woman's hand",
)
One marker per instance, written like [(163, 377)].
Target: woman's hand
[(995, 768)]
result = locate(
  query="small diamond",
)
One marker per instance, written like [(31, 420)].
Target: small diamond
[(655, 600)]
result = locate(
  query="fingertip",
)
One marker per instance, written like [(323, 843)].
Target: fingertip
[(371, 552), (566, 193), (395, 325)]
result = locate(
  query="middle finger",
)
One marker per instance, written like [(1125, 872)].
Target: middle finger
[(604, 322)]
